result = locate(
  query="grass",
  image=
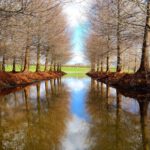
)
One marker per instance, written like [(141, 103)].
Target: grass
[(32, 68), (66, 69), (74, 70)]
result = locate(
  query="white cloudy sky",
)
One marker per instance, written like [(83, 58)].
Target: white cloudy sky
[(75, 12)]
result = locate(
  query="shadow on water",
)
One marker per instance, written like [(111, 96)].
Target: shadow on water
[(74, 113)]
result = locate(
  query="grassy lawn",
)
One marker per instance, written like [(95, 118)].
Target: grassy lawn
[(68, 69), (74, 70), (32, 68)]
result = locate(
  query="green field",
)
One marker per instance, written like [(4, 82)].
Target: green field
[(32, 68), (74, 70), (67, 69)]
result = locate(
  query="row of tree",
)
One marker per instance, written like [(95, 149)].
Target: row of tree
[(119, 30), (33, 32)]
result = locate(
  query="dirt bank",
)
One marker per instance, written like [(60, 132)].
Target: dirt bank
[(11, 80), (137, 81)]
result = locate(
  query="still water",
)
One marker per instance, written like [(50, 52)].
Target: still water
[(73, 114)]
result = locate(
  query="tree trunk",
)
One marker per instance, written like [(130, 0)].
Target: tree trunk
[(144, 66), (51, 66), (38, 59), (102, 66), (98, 66), (107, 67), (135, 64), (26, 62), (54, 67), (60, 68), (3, 63), (14, 64), (92, 67), (0, 66), (57, 67), (119, 63), (46, 62)]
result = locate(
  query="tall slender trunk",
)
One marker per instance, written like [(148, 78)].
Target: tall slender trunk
[(60, 67), (119, 62), (108, 51), (51, 66), (0, 66), (98, 66), (14, 64), (22, 64), (4, 63), (135, 64), (107, 59), (144, 66), (57, 67), (93, 67), (102, 66), (38, 59), (54, 67), (26, 61), (129, 68), (46, 61)]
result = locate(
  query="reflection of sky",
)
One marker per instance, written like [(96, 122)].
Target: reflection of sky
[(78, 107), (78, 90), (130, 105), (76, 137)]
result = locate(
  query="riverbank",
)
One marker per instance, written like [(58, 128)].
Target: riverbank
[(137, 81), (11, 80)]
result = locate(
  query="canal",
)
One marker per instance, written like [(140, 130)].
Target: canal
[(73, 113)]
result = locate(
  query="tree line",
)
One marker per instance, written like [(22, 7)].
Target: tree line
[(33, 32), (119, 35)]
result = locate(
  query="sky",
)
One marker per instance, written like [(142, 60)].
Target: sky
[(78, 24)]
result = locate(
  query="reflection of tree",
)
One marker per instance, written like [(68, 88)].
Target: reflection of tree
[(38, 98), (112, 128), (144, 125), (31, 123), (47, 92), (1, 127), (48, 131), (118, 120), (143, 99)]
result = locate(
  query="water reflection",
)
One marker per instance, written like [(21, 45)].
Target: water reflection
[(34, 117), (78, 126), (114, 125), (74, 114)]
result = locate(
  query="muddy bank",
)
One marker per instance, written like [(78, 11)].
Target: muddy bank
[(137, 81), (12, 80)]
